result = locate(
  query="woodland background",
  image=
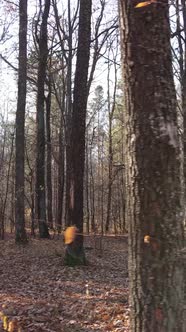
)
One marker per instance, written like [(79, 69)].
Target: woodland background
[(75, 150), (104, 196), (104, 162)]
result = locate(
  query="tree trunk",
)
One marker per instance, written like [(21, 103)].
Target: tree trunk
[(102, 186), (92, 193), (2, 167), (40, 159), (77, 146), (49, 157), (6, 192), (154, 171), (87, 187), (68, 113), (60, 176), (183, 80), (111, 110), (20, 233)]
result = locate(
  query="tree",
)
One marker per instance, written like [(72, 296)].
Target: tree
[(178, 35), (40, 158), (49, 154), (111, 110), (77, 137), (20, 234), (66, 28), (6, 166), (94, 153), (154, 170)]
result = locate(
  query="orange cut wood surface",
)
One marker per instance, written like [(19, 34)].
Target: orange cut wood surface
[(70, 234)]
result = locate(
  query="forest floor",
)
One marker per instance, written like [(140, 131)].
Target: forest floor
[(39, 294)]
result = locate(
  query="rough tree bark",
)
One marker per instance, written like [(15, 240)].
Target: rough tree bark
[(40, 158), (20, 233), (183, 76), (77, 141), (154, 170)]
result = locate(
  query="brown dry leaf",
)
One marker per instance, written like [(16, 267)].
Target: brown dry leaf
[(5, 323), (45, 296), (13, 326), (105, 317)]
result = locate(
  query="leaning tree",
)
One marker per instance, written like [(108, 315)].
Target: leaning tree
[(154, 169)]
